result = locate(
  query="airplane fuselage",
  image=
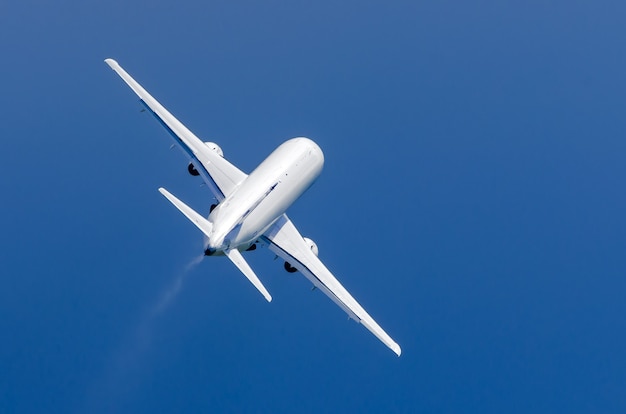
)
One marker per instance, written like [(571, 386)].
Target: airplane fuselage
[(265, 195)]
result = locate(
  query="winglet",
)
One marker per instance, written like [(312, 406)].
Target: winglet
[(235, 256), (203, 224)]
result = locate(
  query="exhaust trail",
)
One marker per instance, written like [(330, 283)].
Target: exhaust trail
[(169, 294), (123, 369)]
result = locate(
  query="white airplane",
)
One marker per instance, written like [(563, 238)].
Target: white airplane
[(251, 208)]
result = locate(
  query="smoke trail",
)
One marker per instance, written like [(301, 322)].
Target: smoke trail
[(123, 370), (172, 291)]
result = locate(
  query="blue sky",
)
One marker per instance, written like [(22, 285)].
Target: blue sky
[(472, 200)]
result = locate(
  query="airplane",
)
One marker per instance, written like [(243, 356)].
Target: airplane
[(251, 207)]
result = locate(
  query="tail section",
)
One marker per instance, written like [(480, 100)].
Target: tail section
[(206, 226)]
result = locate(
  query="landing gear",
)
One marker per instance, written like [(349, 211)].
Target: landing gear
[(289, 268), (192, 170)]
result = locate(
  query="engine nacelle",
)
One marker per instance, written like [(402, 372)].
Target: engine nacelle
[(289, 268), (192, 170), (312, 245), (215, 148)]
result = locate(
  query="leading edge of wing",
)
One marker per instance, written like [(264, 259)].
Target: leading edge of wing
[(284, 239), (221, 176)]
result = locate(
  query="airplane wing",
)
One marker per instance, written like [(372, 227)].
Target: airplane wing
[(221, 176), (284, 239)]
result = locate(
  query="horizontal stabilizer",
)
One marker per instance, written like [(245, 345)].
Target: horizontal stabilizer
[(203, 224), (235, 256)]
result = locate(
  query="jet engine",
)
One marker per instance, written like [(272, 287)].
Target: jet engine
[(312, 245), (192, 170), (215, 148), (289, 268)]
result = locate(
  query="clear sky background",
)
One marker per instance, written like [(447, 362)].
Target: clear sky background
[(472, 200)]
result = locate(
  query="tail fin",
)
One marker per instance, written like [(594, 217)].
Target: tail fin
[(203, 224)]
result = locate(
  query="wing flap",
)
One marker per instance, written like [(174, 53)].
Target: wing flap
[(284, 239)]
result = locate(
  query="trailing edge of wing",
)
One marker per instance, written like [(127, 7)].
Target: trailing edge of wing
[(284, 239), (203, 224), (235, 256)]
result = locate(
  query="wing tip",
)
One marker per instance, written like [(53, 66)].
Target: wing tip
[(111, 62), (167, 194), (396, 348)]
